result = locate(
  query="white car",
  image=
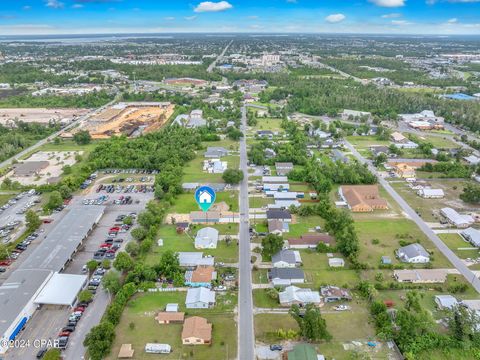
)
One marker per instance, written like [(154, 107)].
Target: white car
[(220, 288), (341, 308)]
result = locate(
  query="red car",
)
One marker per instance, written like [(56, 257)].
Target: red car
[(6, 262), (115, 228), (64, 333), (47, 221), (112, 251), (104, 246), (79, 308)]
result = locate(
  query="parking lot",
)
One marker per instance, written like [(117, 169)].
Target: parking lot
[(48, 322), (12, 216)]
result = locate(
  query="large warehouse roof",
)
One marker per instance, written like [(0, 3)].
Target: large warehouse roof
[(50, 256), (55, 250), (61, 289), (20, 287)]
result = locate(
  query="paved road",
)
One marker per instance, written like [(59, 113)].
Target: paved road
[(214, 63), (245, 304), (54, 135), (449, 254)]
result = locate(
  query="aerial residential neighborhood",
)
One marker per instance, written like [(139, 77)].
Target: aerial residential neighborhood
[(208, 180)]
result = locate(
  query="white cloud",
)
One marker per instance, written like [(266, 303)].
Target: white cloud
[(335, 18), (169, 18), (452, 21), (388, 3), (190, 18), (77, 6), (401, 22), (209, 6), (391, 16), (26, 7), (55, 4)]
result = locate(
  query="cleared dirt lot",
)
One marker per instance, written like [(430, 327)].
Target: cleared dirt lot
[(39, 115), (128, 118)]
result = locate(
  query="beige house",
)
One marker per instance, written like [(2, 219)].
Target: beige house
[(404, 170), (166, 317), (362, 198), (196, 331), (420, 276)]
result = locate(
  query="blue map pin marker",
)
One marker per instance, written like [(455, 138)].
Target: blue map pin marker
[(205, 197)]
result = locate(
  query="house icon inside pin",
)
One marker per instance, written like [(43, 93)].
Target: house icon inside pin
[(205, 197)]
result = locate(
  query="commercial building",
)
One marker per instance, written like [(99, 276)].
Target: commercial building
[(19, 292), (431, 193), (61, 289)]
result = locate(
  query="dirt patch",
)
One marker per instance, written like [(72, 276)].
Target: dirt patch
[(129, 119), (39, 115)]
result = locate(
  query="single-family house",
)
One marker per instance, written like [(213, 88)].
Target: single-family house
[(362, 198), (274, 179), (283, 215), (334, 293), (277, 227), (404, 170), (283, 168), (265, 134), (286, 276), (445, 302), (379, 149), (192, 259), (456, 219), (216, 152), (286, 259), (309, 241), (299, 296), (413, 253), (204, 217), (398, 138), (431, 193), (196, 331), (200, 298), (207, 238), (165, 317), (472, 160), (420, 276), (302, 352), (336, 262), (472, 236), (201, 276)]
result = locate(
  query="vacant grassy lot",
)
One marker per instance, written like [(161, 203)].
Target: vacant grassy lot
[(267, 325), (260, 276), (440, 142), (193, 171), (138, 327), (303, 225), (185, 203), (389, 233), (459, 246), (429, 208), (263, 300), (268, 124), (184, 242), (364, 142)]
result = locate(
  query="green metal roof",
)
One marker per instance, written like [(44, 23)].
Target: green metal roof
[(302, 352)]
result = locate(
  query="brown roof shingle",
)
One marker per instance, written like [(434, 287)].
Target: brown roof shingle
[(197, 327), (170, 317)]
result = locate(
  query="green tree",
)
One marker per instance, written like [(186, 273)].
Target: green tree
[(271, 244), (54, 200), (92, 265), (33, 220), (169, 265), (312, 326), (99, 340), (462, 323), (82, 137), (111, 281), (123, 262), (132, 248), (471, 194), (232, 176), (85, 296)]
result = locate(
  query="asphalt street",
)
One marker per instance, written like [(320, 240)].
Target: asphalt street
[(214, 63), (11, 214), (245, 303), (449, 254)]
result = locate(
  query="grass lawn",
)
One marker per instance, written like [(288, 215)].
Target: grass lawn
[(455, 242), (268, 124), (193, 171), (260, 276), (141, 312), (185, 203), (388, 233), (258, 202), (318, 273), (364, 142), (350, 325), (267, 325), (429, 208), (5, 197), (182, 242), (303, 225), (263, 300), (440, 142)]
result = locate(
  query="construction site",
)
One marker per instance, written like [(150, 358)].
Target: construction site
[(130, 119)]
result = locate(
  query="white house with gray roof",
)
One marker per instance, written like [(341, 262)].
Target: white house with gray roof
[(472, 236), (207, 238), (299, 296), (192, 259), (200, 298), (413, 253), (286, 259), (216, 152), (456, 219)]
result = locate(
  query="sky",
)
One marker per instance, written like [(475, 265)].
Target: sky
[(435, 17)]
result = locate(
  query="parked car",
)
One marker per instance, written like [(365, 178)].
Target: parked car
[(2, 269), (41, 353), (276, 347)]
